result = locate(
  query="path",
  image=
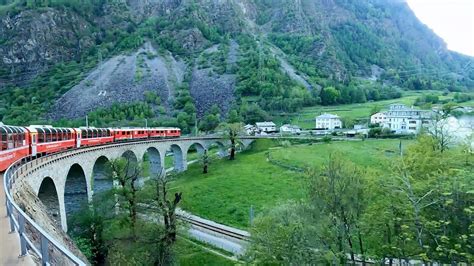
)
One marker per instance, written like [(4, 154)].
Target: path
[(9, 243)]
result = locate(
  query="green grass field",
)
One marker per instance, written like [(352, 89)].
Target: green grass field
[(189, 254), (226, 193), (368, 153)]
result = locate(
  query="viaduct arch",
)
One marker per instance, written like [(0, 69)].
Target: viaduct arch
[(81, 172)]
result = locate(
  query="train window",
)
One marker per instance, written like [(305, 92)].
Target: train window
[(3, 139), (18, 140), (40, 137), (108, 132), (54, 135), (47, 135)]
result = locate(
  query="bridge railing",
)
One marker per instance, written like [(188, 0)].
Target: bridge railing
[(32, 236)]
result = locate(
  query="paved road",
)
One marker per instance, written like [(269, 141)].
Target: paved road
[(9, 243)]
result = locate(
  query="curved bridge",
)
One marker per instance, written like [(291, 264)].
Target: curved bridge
[(56, 178)]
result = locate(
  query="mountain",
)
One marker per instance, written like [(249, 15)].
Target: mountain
[(171, 61)]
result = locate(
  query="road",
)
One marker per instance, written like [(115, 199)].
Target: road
[(9, 243)]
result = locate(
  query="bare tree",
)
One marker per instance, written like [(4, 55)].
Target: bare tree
[(403, 185), (167, 207), (205, 162), (439, 130), (126, 173)]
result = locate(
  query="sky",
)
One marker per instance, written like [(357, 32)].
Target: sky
[(452, 20)]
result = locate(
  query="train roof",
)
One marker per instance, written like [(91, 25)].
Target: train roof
[(12, 129), (143, 128), (94, 128), (49, 129)]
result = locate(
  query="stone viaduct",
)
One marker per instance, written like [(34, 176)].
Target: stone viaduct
[(77, 173)]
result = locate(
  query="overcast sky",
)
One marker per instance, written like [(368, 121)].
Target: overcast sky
[(452, 20)]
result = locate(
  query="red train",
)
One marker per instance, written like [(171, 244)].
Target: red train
[(19, 142)]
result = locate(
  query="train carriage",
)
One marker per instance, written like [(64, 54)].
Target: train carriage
[(48, 139), (140, 133), (94, 136), (14, 145), (157, 133), (164, 132), (121, 134), (173, 132)]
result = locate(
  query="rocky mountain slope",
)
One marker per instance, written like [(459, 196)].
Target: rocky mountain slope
[(64, 59)]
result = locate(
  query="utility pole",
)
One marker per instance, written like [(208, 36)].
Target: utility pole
[(195, 125), (251, 215), (146, 123), (87, 121)]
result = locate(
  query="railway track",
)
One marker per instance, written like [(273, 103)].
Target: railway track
[(214, 228)]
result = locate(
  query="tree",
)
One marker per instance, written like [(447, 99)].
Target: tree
[(167, 209), (209, 123), (329, 96), (338, 191), (205, 162), (440, 131), (233, 117), (126, 173), (89, 226), (232, 133), (290, 234)]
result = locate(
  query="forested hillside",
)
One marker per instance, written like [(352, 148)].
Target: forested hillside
[(176, 61)]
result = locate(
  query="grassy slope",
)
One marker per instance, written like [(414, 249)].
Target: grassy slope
[(190, 255), (227, 192)]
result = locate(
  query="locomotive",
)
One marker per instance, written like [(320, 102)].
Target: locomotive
[(39, 140)]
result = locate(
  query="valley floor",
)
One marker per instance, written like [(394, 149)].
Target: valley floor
[(231, 188)]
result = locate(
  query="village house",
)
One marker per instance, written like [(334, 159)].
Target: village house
[(328, 122), (290, 129), (401, 119), (266, 127), (250, 129)]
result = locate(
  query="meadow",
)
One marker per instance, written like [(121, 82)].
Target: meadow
[(231, 188)]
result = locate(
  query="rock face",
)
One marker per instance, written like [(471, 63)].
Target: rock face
[(122, 79), (32, 39), (339, 39), (208, 89)]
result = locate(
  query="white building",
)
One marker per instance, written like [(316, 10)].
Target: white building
[(266, 127), (250, 129), (401, 119), (290, 129), (378, 118), (328, 121)]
